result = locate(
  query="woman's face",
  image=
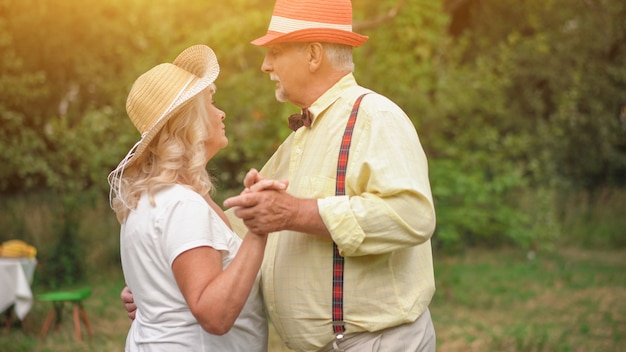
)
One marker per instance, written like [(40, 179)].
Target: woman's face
[(217, 131)]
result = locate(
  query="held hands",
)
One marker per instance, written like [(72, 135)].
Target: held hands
[(264, 205)]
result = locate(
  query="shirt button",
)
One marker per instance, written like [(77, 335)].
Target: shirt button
[(298, 150)]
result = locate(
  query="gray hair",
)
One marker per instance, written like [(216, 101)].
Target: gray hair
[(339, 55)]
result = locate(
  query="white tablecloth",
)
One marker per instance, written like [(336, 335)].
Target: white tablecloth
[(16, 275)]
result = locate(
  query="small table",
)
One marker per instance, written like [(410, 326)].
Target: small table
[(16, 275)]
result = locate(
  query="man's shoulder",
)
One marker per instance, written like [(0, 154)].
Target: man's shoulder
[(352, 92), (373, 102)]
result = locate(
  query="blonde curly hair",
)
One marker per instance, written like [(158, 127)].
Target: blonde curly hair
[(176, 155)]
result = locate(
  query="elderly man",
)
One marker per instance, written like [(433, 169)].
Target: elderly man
[(348, 265)]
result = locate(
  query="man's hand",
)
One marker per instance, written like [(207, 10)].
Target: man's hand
[(129, 303), (258, 190), (263, 211), (261, 205), (265, 207)]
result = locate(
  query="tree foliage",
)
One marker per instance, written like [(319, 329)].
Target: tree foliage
[(565, 62), (508, 97)]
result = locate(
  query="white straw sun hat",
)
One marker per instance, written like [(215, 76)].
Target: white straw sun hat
[(159, 93)]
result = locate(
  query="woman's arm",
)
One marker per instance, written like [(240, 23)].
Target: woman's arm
[(216, 297)]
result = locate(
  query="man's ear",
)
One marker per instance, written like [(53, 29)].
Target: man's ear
[(315, 55)]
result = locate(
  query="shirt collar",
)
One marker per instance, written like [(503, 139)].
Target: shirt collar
[(330, 96)]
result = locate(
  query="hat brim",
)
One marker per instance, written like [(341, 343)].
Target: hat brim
[(326, 35), (198, 60)]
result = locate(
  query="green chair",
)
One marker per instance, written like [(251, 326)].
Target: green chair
[(58, 299)]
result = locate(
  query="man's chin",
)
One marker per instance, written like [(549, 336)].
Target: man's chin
[(281, 97)]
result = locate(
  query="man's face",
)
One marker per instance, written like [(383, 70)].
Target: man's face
[(287, 65)]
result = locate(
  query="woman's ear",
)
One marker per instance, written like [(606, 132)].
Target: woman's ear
[(315, 55)]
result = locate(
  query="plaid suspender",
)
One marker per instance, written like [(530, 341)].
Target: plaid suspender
[(340, 190)]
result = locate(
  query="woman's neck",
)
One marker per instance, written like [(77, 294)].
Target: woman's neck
[(217, 209)]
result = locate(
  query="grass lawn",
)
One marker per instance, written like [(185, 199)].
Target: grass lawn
[(566, 300), (569, 300)]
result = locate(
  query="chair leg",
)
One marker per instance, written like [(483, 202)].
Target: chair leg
[(47, 323), (78, 314), (77, 324), (83, 315)]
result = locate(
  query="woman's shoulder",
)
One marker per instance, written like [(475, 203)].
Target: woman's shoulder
[(179, 191), (178, 194)]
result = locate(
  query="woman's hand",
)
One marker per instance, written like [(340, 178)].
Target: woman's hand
[(255, 182), (129, 303)]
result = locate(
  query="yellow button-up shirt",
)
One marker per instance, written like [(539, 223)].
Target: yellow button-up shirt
[(382, 226)]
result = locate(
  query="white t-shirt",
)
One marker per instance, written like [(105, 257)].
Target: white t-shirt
[(150, 239)]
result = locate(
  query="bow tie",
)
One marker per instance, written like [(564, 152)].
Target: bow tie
[(298, 120)]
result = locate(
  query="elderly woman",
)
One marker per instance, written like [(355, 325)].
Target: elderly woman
[(194, 282)]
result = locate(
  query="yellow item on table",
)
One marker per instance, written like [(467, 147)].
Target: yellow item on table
[(17, 248)]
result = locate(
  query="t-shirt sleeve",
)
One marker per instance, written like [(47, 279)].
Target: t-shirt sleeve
[(189, 223)]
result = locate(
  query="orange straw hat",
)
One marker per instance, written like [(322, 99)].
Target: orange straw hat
[(327, 21)]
